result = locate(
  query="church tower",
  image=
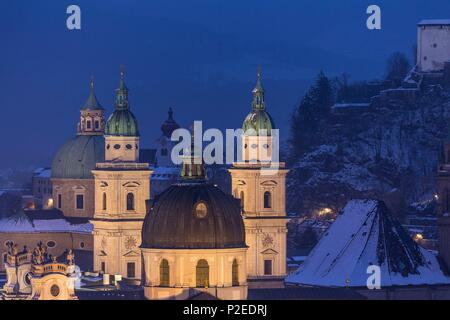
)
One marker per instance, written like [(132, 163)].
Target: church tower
[(443, 197), (259, 182), (122, 186), (165, 144), (71, 175), (92, 121)]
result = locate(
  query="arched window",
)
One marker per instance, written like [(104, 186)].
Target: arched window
[(164, 275), (235, 273), (267, 200), (242, 199), (130, 201), (104, 201), (202, 273)]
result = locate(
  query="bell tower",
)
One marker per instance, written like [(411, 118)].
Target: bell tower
[(92, 121), (259, 182), (122, 132), (122, 186)]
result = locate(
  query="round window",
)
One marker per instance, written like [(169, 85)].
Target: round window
[(245, 146), (54, 290), (81, 244), (117, 146), (129, 146), (266, 146), (51, 244), (254, 146), (200, 209), (108, 146)]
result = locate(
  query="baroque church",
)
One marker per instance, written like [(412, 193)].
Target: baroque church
[(189, 235)]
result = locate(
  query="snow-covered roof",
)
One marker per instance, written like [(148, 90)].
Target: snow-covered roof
[(22, 224), (434, 22), (365, 234), (165, 173), (43, 172)]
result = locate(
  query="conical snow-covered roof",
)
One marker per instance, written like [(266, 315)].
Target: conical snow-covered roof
[(364, 234)]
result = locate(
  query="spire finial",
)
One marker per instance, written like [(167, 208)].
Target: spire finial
[(122, 72), (258, 92), (92, 82), (122, 91), (170, 113)]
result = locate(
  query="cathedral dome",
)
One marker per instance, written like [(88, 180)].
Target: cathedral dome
[(78, 156), (194, 215)]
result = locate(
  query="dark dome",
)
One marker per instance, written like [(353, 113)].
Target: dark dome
[(78, 156), (174, 223)]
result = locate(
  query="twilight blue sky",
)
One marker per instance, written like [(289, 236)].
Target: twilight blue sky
[(198, 56)]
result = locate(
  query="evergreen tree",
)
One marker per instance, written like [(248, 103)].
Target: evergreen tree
[(397, 67), (306, 239), (311, 117)]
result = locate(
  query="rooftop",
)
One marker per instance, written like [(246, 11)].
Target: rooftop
[(434, 22)]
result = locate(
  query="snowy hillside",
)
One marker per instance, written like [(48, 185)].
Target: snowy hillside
[(392, 147)]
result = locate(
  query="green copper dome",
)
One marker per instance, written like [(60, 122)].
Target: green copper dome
[(122, 122), (258, 119), (78, 156)]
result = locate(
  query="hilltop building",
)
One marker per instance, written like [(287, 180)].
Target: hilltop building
[(433, 45)]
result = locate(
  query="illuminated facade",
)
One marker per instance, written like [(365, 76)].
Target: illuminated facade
[(259, 183), (193, 240), (122, 186)]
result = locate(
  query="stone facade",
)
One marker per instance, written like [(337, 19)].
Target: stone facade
[(65, 192), (262, 195), (118, 218), (174, 274)]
